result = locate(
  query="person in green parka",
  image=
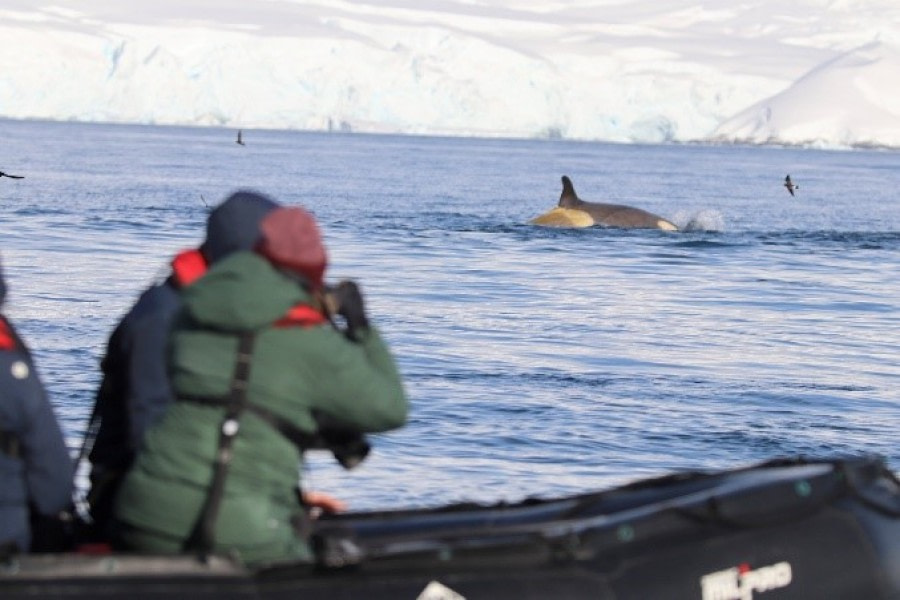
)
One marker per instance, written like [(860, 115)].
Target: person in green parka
[(260, 372)]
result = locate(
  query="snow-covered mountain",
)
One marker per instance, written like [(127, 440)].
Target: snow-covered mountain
[(812, 72)]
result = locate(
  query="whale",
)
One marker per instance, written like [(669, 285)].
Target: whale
[(572, 211)]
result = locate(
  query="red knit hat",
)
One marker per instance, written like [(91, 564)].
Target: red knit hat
[(289, 238)]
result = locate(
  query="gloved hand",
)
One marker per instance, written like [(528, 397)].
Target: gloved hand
[(319, 502), (351, 307)]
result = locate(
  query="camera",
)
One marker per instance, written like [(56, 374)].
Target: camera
[(329, 299), (348, 448)]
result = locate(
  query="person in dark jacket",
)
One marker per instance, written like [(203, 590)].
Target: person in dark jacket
[(135, 388), (259, 370), (35, 467)]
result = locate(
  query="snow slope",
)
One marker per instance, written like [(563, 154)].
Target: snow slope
[(820, 72), (842, 102)]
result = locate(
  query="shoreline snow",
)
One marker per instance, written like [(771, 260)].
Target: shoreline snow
[(816, 73)]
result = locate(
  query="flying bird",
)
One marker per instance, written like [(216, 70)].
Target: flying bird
[(239, 140), (2, 174), (790, 185)]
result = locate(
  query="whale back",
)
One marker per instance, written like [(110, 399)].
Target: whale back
[(572, 211), (626, 217)]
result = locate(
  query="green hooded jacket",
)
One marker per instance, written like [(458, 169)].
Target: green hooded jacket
[(296, 373)]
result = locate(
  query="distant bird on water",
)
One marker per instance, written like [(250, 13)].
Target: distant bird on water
[(239, 139), (790, 185), (2, 174)]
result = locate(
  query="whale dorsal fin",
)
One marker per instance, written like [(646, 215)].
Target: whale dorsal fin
[(568, 196)]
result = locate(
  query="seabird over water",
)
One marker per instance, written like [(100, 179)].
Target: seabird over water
[(239, 140), (790, 185), (2, 174)]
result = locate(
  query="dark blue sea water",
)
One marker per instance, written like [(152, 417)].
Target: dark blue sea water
[(538, 361)]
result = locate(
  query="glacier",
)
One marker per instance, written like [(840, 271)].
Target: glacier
[(821, 73)]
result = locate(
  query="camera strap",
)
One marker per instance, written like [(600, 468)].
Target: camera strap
[(202, 538)]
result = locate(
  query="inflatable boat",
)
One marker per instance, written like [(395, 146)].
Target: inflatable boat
[(792, 528)]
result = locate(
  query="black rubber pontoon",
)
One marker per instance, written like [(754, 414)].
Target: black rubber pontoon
[(788, 529)]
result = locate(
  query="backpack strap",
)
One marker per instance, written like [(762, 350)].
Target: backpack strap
[(349, 447), (302, 440), (203, 536)]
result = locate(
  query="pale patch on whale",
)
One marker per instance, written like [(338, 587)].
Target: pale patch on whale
[(572, 211), (564, 217)]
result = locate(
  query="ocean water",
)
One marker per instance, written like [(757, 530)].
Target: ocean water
[(538, 362)]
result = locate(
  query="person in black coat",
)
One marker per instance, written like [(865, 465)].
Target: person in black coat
[(35, 467), (135, 389)]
